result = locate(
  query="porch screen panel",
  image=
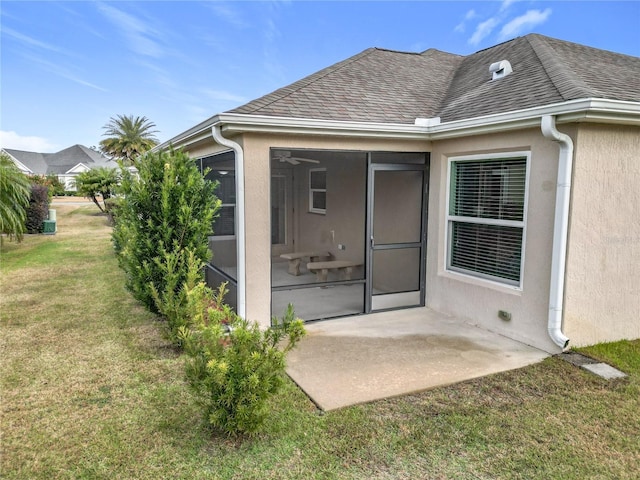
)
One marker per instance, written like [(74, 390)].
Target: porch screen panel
[(486, 218), (222, 241)]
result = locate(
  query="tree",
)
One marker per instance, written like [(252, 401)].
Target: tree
[(167, 209), (98, 181), (15, 191), (128, 137)]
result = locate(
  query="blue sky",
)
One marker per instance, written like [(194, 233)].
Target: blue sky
[(67, 67)]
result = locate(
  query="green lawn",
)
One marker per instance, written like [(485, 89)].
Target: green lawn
[(90, 389)]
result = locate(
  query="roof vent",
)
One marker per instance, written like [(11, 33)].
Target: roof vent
[(500, 69)]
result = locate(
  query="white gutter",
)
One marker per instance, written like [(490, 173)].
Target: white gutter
[(585, 109), (560, 229), (240, 216)]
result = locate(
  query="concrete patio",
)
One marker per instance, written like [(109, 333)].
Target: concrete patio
[(358, 359)]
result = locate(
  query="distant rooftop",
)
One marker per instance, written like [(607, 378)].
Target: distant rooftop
[(59, 162)]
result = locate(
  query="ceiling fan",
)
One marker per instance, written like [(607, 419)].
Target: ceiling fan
[(285, 156)]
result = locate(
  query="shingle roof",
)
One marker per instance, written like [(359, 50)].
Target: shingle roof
[(376, 85), (59, 162), (387, 86), (64, 160)]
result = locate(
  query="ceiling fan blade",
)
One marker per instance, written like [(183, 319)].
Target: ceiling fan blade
[(308, 160)]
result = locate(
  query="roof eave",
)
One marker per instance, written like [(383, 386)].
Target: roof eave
[(21, 166), (581, 110)]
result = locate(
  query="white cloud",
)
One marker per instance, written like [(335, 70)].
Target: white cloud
[(224, 96), (483, 30), (63, 72), (228, 14), (524, 23), (27, 143), (506, 4), (470, 15), (32, 42), (135, 30)]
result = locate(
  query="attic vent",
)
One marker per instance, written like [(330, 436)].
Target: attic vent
[(500, 69)]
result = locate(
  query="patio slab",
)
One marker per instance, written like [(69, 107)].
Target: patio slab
[(359, 359)]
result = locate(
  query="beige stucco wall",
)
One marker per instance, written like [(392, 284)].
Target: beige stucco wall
[(603, 269), (602, 294), (478, 300)]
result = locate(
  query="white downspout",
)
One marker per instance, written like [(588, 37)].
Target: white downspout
[(240, 216), (560, 229)]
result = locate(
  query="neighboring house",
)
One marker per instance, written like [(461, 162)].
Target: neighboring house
[(65, 164), (501, 187)]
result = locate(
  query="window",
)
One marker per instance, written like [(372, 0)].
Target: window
[(486, 216), (318, 190)]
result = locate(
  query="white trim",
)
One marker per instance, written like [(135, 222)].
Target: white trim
[(585, 110), (73, 170), (487, 221), (21, 166), (312, 209)]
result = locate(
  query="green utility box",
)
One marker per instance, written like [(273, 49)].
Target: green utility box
[(49, 227)]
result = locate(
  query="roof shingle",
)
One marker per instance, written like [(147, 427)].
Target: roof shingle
[(384, 86)]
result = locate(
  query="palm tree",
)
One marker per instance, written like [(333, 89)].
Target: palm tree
[(15, 190), (128, 137)]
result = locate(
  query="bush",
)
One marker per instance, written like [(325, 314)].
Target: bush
[(112, 205), (168, 207), (234, 367), (38, 208), (56, 187), (174, 301)]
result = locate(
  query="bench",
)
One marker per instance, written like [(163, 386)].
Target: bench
[(295, 258), (321, 269)]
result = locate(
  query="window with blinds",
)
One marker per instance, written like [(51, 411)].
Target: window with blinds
[(486, 216)]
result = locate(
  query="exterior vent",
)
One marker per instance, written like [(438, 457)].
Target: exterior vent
[(500, 69)]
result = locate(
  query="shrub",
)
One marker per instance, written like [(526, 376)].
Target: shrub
[(38, 208), (174, 301), (43, 180), (15, 191), (168, 207), (234, 367), (112, 205), (56, 187)]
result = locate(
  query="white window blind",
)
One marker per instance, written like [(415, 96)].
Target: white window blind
[(486, 218)]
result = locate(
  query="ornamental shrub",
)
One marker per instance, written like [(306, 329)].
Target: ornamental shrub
[(173, 302), (167, 207), (234, 367), (38, 208)]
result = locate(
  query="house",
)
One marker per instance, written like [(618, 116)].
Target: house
[(501, 187), (65, 164)]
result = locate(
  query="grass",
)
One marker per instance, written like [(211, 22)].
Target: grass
[(90, 389)]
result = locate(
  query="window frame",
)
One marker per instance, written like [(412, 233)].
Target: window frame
[(451, 219), (312, 208)]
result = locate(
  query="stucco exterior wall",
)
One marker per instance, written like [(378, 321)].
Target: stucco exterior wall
[(479, 300), (602, 293), (344, 221)]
